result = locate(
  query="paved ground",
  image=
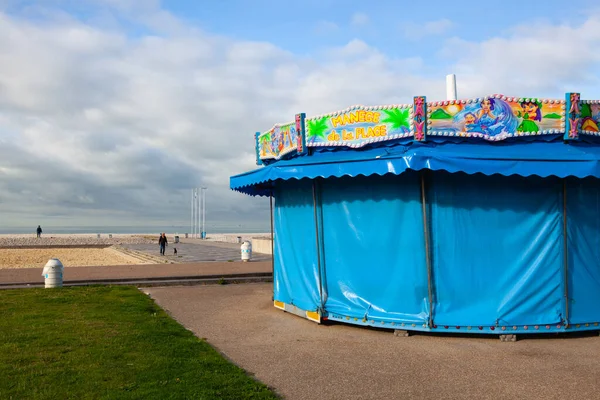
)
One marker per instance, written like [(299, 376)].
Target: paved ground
[(31, 275), (198, 251), (303, 360)]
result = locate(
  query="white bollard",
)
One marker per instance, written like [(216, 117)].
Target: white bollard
[(53, 273), (246, 251)]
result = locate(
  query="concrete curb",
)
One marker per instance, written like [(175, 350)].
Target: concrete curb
[(156, 281)]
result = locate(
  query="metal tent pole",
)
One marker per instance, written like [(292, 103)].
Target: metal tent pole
[(565, 253), (427, 252), (314, 190), (192, 215)]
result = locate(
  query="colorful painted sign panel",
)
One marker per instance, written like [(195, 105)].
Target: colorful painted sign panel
[(419, 118), (278, 141), (590, 117), (493, 118), (573, 116), (358, 126), (300, 136), (496, 117)]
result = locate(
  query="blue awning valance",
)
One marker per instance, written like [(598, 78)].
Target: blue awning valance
[(544, 159)]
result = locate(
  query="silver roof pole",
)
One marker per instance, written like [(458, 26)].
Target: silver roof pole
[(451, 87)]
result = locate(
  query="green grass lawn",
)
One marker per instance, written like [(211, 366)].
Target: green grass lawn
[(107, 342)]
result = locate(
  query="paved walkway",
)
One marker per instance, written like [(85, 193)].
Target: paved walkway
[(303, 360), (198, 251), (31, 275)]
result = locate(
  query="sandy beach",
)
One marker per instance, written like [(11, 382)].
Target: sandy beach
[(70, 257), (79, 250), (28, 251)]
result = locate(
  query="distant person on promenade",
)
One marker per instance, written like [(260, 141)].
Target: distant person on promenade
[(162, 243), (39, 231)]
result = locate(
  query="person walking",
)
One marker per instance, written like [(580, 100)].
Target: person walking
[(39, 231), (162, 243)]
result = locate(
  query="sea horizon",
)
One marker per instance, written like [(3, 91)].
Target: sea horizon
[(80, 230)]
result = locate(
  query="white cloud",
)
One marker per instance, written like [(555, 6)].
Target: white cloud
[(359, 19), (438, 27), (531, 60), (101, 128)]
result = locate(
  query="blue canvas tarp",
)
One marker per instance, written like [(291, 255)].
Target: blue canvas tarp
[(295, 279), (374, 250), (497, 250), (583, 216), (355, 247)]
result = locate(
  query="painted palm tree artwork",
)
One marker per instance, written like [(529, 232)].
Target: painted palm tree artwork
[(397, 119), (316, 130)]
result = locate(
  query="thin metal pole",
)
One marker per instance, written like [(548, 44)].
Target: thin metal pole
[(203, 234), (314, 187), (195, 212), (272, 245), (192, 215), (565, 252), (198, 216), (427, 254)]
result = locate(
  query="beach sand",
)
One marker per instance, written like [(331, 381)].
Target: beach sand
[(27, 251), (70, 257)]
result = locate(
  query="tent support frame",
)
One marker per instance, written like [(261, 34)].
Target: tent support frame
[(565, 254), (318, 243), (427, 248)]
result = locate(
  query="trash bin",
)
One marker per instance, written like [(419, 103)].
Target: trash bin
[(53, 273), (246, 251), (239, 239), (98, 235), (186, 235), (176, 239), (110, 235)]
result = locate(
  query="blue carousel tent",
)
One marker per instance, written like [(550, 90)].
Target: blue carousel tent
[(439, 235)]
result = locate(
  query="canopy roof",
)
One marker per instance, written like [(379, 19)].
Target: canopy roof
[(491, 135), (544, 159)]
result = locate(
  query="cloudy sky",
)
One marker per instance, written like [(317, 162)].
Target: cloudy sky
[(111, 110)]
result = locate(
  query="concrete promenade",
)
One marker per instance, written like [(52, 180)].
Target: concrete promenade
[(196, 251)]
